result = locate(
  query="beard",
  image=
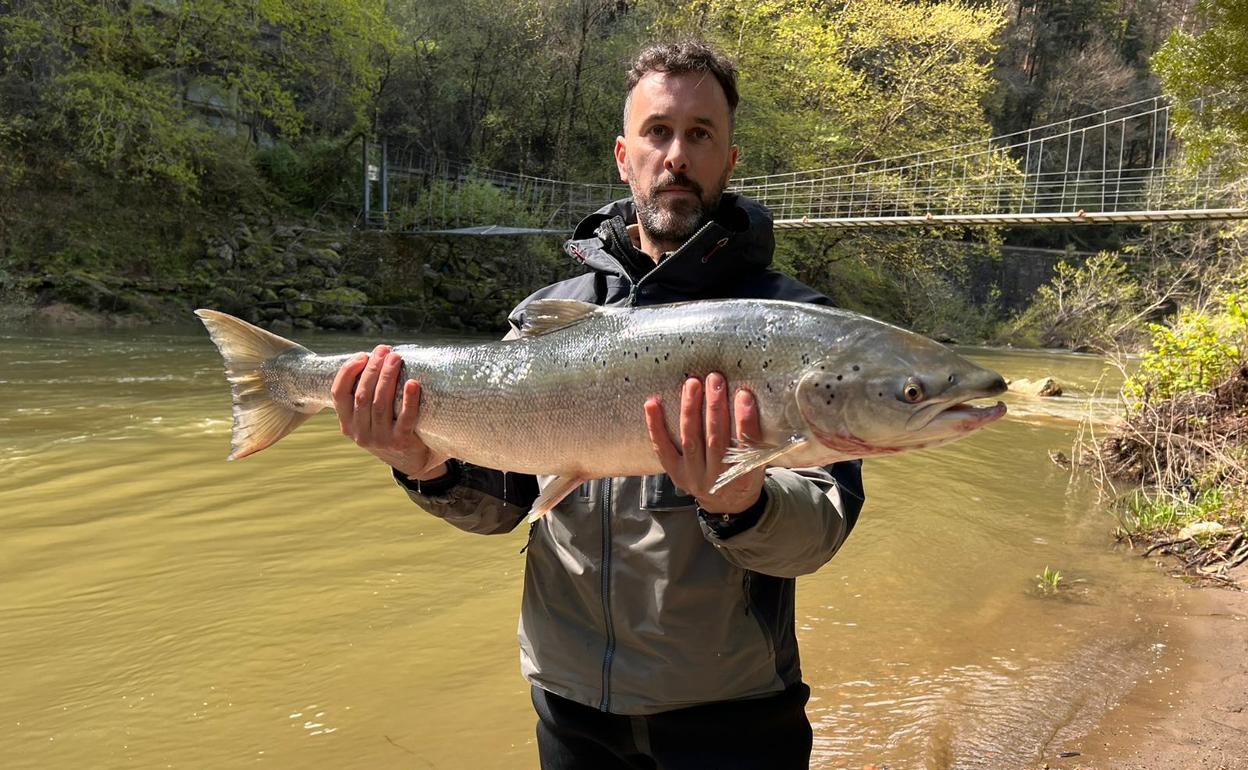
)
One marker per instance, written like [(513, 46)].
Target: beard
[(671, 221)]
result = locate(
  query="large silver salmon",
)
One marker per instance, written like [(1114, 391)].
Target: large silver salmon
[(566, 397)]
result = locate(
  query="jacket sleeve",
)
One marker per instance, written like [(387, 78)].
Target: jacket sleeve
[(808, 515), (476, 499)]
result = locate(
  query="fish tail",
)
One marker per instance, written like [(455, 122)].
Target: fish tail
[(259, 421)]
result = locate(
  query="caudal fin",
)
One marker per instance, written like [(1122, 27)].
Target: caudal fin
[(259, 421)]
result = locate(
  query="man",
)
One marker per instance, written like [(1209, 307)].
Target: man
[(657, 625)]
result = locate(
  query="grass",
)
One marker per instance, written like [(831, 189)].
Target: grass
[(1050, 580)]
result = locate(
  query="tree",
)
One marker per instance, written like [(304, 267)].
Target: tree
[(1212, 63)]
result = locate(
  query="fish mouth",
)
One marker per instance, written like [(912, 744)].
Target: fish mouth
[(958, 417), (965, 417)]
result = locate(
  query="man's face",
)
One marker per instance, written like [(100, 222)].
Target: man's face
[(676, 154)]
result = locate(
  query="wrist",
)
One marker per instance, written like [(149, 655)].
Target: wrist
[(726, 525), (436, 483), (432, 474)]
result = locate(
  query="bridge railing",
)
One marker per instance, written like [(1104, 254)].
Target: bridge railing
[(1121, 164)]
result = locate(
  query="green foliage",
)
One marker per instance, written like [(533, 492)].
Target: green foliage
[(1150, 511), (1211, 62), (1193, 353), (127, 128), (115, 83), (1092, 306), (309, 173), (1049, 581), (442, 204), (851, 81)]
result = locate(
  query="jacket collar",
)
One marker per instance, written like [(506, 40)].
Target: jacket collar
[(737, 238)]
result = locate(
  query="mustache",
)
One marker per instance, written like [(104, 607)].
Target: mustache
[(675, 180)]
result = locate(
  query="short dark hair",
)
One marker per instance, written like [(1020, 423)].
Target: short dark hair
[(681, 57)]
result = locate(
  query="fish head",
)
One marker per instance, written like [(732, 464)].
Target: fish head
[(893, 391)]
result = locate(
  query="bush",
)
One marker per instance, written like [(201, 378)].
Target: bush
[(1194, 353), (1091, 306), (309, 174)]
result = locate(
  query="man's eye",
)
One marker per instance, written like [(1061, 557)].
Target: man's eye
[(700, 133), (658, 131)]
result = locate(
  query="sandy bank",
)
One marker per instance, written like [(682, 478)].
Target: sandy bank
[(1194, 716)]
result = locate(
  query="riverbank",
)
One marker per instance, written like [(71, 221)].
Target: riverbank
[(1192, 714)]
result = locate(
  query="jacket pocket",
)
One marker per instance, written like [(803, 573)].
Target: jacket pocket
[(658, 493)]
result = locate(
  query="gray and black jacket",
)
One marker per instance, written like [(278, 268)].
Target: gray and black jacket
[(633, 603)]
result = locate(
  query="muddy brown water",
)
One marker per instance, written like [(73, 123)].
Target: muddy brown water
[(160, 607)]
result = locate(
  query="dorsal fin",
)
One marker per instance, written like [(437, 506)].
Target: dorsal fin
[(543, 316)]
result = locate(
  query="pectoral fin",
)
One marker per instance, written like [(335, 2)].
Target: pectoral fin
[(544, 316), (559, 488), (749, 457)]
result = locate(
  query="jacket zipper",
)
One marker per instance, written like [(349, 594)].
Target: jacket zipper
[(606, 595), (632, 295)]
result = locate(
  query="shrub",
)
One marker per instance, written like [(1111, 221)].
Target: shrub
[(1197, 351)]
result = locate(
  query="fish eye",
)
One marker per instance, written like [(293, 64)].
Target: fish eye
[(912, 391)]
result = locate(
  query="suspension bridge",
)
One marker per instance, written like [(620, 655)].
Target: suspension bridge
[(1124, 164)]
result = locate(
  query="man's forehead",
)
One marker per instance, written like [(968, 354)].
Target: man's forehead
[(690, 94)]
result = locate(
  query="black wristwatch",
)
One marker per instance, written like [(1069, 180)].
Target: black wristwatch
[(725, 525)]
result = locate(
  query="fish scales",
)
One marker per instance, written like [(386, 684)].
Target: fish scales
[(571, 401)]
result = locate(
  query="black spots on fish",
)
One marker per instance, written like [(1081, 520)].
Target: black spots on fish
[(881, 395), (769, 390), (666, 356), (822, 367), (766, 363), (830, 395), (951, 378), (647, 348), (626, 378), (682, 339), (805, 358), (656, 359), (739, 360), (857, 367), (840, 377), (747, 344), (635, 354)]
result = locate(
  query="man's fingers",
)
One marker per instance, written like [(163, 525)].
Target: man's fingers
[(383, 396), (666, 451), (364, 391), (343, 390), (718, 427), (691, 441), (748, 422), (409, 413)]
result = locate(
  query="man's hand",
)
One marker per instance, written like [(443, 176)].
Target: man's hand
[(366, 413), (699, 460)]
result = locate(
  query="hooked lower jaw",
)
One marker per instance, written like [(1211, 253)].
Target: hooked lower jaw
[(968, 417)]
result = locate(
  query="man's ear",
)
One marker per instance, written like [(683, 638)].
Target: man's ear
[(621, 158), (733, 152)]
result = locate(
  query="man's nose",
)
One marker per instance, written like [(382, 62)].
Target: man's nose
[(676, 159)]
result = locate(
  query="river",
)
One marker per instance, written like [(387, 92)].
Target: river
[(164, 608)]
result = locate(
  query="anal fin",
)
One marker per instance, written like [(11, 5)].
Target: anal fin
[(749, 457)]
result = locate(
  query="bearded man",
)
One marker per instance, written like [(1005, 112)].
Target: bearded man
[(657, 624)]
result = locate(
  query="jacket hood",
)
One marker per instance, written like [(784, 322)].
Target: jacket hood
[(739, 234)]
